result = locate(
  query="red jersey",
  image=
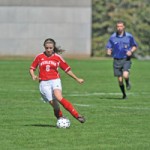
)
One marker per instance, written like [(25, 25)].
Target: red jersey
[(48, 66)]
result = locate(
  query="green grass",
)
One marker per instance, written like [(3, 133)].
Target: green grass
[(26, 123)]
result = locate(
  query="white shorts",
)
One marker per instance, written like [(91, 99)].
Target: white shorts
[(47, 89)]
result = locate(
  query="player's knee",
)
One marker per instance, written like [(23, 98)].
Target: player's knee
[(59, 98), (51, 102), (125, 74)]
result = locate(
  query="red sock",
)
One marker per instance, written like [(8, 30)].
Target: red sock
[(58, 113), (68, 106)]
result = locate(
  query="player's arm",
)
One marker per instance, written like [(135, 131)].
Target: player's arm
[(71, 74), (34, 77), (33, 68), (130, 52), (109, 52), (134, 46), (133, 49), (64, 66), (109, 47)]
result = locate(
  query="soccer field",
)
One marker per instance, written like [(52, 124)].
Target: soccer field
[(26, 123)]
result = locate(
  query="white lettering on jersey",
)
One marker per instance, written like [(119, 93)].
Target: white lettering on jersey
[(48, 63)]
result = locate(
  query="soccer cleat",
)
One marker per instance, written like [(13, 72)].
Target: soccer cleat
[(81, 119), (128, 86), (124, 97)]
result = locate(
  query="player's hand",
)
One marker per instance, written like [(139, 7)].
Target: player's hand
[(35, 77), (129, 53), (80, 80), (109, 52)]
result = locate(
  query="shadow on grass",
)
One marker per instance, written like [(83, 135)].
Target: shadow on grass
[(42, 125), (111, 98)]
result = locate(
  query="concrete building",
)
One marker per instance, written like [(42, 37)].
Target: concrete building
[(25, 24)]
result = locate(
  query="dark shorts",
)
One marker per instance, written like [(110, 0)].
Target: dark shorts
[(121, 65)]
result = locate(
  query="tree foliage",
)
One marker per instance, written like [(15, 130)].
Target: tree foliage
[(135, 13)]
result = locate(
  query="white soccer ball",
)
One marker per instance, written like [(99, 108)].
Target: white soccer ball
[(63, 123)]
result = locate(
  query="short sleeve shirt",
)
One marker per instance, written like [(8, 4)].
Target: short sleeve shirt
[(48, 66), (121, 44)]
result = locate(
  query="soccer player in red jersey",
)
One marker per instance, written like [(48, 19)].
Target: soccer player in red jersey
[(50, 87)]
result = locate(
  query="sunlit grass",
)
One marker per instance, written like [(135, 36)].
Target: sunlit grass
[(112, 123)]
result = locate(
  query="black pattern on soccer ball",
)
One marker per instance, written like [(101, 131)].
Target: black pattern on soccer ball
[(63, 123)]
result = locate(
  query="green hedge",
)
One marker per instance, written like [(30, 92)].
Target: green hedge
[(135, 13)]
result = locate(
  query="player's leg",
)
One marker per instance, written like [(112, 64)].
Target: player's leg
[(57, 112), (126, 69), (68, 106), (47, 95), (57, 89), (122, 88), (118, 72), (126, 77)]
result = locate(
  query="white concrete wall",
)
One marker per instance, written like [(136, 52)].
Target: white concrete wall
[(24, 27)]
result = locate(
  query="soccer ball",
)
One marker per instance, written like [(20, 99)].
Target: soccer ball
[(63, 123)]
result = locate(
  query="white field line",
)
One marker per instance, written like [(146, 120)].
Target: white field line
[(115, 107), (20, 90), (104, 93), (94, 94), (134, 108), (82, 105), (76, 94)]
